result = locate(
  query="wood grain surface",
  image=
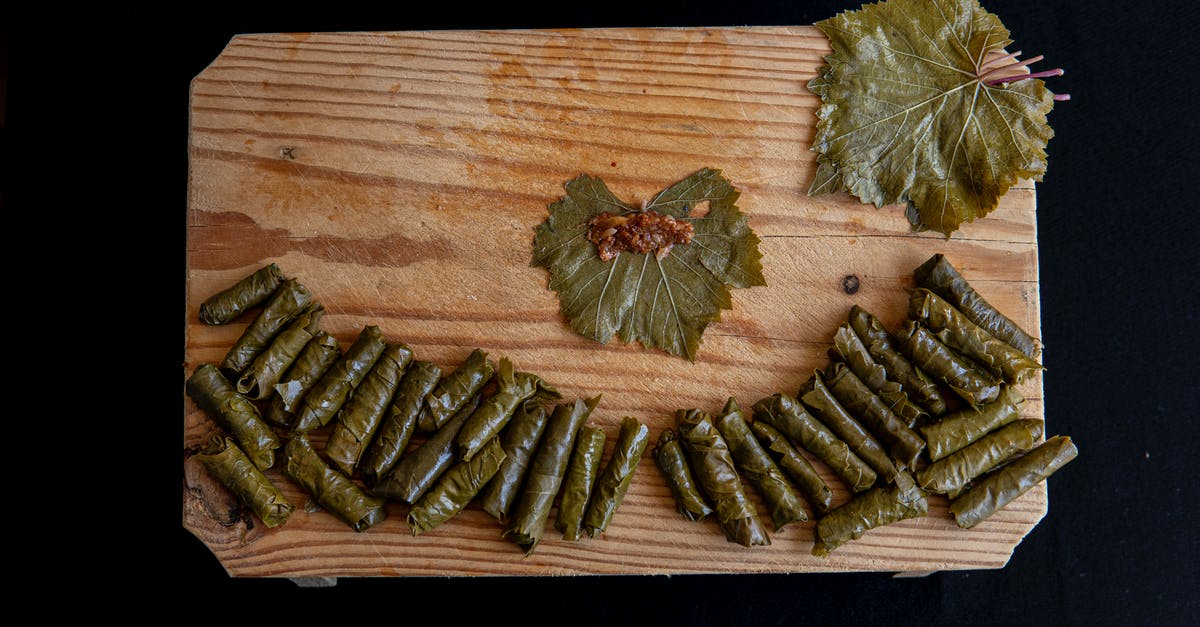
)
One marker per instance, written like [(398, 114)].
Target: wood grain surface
[(399, 176)]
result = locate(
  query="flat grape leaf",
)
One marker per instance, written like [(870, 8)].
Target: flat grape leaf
[(661, 302), (911, 112)]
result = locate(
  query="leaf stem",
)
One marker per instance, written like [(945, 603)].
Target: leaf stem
[(1014, 64), (1020, 77)]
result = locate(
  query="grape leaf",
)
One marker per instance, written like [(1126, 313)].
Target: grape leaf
[(912, 111), (661, 302)]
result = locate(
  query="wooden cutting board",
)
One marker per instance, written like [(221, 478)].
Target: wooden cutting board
[(400, 176)]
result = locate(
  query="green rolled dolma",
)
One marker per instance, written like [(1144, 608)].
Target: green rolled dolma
[(959, 429), (672, 461), (903, 443), (1003, 486), (785, 413), (757, 467), (361, 415), (614, 480), (546, 471), (849, 348), (806, 478), (455, 489), (491, 417), (577, 483), (288, 302), (225, 461), (225, 306), (817, 397), (331, 489), (400, 421), (321, 352), (916, 384), (940, 277), (952, 473), (882, 505), (958, 332), (455, 389), (710, 460), (258, 382), (942, 363), (519, 441), (416, 472), (328, 394), (214, 394)]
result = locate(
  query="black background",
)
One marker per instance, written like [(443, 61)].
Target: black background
[(1118, 242)]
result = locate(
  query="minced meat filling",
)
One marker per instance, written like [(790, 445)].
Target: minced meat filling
[(640, 231)]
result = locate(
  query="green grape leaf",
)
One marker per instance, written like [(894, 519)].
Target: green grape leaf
[(662, 301), (912, 113)]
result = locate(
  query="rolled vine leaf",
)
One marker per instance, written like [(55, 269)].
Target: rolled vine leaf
[(712, 463), (226, 461), (614, 480), (672, 461), (225, 306), (1006, 484), (331, 489), (220, 401), (519, 441)]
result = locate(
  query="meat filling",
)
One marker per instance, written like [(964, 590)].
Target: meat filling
[(640, 232)]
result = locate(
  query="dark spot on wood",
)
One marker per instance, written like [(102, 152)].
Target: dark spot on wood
[(850, 284), (613, 164), (287, 152), (231, 240)]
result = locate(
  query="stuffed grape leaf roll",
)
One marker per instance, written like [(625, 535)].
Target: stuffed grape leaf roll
[(214, 394), (958, 332), (757, 467), (903, 443), (710, 460), (940, 277), (952, 473), (288, 302), (917, 385), (803, 475), (321, 352), (964, 427), (519, 441), (817, 397), (849, 349), (400, 421), (455, 489), (258, 382), (416, 472), (614, 480), (361, 415), (546, 471), (331, 489), (577, 483), (225, 306), (931, 355), (672, 461), (786, 414), (454, 390), (328, 394), (225, 461), (491, 416), (1004, 485), (879, 506)]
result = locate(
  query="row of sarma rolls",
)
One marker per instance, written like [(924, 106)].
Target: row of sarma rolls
[(931, 409), (487, 433)]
